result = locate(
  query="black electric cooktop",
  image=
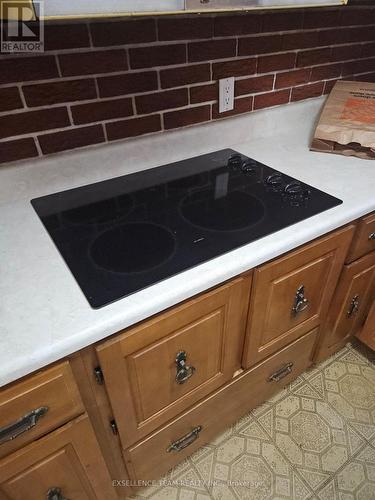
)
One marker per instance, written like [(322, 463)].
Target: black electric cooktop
[(124, 234)]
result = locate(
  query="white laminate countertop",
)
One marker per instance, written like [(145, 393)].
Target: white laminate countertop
[(44, 316)]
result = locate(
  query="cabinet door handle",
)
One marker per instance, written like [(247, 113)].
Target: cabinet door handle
[(371, 236), (22, 425), (184, 372), (283, 372), (300, 301), (353, 307), (185, 441), (55, 494)]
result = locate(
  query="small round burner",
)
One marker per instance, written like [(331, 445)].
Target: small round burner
[(133, 247), (100, 211), (232, 212)]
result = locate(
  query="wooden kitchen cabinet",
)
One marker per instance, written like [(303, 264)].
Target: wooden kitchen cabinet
[(367, 333), (67, 461), (292, 294), (349, 306), (159, 368), (36, 405), (364, 238), (165, 448)]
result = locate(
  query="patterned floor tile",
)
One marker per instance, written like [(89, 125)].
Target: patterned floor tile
[(313, 437), (248, 465), (355, 481), (347, 385)]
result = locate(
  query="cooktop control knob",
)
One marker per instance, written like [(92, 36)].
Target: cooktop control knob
[(293, 188), (297, 193), (234, 161), (248, 166), (275, 179)]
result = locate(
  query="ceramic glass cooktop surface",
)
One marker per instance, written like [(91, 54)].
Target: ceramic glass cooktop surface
[(121, 235)]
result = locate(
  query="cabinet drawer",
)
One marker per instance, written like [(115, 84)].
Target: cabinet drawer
[(158, 369), (364, 238), (67, 460), (291, 294), (351, 300), (51, 394), (155, 455)]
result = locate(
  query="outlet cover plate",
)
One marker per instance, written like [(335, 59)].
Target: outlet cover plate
[(226, 94)]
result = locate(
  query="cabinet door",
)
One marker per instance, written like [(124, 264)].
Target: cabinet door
[(156, 370), (351, 301), (367, 334), (292, 294), (364, 239), (67, 461)]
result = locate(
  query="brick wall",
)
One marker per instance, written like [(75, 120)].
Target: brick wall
[(103, 82)]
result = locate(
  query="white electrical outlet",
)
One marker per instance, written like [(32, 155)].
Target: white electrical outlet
[(226, 94)]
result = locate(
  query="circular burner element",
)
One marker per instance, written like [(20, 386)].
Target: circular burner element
[(100, 211), (235, 211), (133, 247)]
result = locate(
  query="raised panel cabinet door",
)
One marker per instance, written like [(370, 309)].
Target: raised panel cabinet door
[(67, 462), (367, 333), (291, 295), (351, 300), (157, 369), (364, 238)]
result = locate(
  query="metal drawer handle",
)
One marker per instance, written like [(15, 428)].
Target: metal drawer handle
[(184, 372), (55, 494), (22, 425), (283, 372), (185, 441), (371, 236), (300, 301), (354, 306)]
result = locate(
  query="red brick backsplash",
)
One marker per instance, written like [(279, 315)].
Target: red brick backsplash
[(71, 139), (10, 99), (99, 82)]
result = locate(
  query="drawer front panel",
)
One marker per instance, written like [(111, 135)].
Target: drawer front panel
[(43, 402), (352, 299), (364, 239), (67, 461), (158, 369), (167, 447), (291, 294)]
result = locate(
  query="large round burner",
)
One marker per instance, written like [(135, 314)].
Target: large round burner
[(133, 247), (232, 212), (100, 211)]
